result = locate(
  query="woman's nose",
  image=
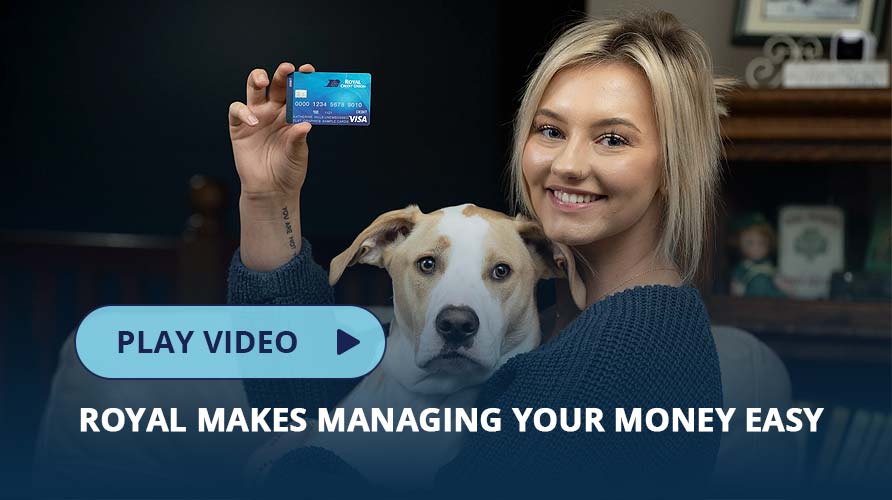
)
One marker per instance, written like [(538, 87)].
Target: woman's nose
[(572, 162)]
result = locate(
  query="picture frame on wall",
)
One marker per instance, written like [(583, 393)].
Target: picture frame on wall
[(757, 20)]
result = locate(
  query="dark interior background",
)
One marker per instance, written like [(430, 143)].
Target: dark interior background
[(111, 107)]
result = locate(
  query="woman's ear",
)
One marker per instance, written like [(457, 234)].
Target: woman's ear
[(368, 247), (552, 259)]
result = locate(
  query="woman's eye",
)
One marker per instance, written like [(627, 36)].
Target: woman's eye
[(613, 141), (500, 272), (550, 132), (426, 265)]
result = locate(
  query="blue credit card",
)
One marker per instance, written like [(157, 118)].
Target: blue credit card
[(329, 98)]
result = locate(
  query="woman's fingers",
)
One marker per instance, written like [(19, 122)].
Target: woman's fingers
[(257, 83), (240, 113), (306, 68), (280, 79)]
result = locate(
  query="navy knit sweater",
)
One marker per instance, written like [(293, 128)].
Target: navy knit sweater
[(644, 347)]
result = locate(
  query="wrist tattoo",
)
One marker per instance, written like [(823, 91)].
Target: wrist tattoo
[(288, 230)]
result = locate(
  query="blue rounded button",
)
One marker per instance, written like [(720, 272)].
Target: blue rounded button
[(226, 342)]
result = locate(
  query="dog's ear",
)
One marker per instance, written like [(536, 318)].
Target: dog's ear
[(552, 259), (368, 247)]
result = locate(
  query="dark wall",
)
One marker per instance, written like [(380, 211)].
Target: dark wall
[(111, 107)]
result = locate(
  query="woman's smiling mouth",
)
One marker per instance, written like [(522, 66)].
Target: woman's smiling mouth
[(573, 201)]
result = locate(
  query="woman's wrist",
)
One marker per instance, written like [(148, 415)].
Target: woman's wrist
[(270, 230)]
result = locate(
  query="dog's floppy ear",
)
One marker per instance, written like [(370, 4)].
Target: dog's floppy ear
[(553, 260), (368, 247)]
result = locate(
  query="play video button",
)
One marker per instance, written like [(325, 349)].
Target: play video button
[(230, 342), (346, 341)]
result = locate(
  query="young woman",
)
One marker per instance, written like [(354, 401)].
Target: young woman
[(617, 151)]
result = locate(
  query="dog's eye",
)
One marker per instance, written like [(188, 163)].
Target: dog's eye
[(500, 272), (426, 265)]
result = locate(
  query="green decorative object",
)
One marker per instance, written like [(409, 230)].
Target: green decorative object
[(879, 248), (811, 243), (811, 247)]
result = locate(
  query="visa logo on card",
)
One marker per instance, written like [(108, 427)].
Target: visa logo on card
[(328, 98)]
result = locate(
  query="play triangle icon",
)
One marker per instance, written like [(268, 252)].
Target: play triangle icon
[(346, 341)]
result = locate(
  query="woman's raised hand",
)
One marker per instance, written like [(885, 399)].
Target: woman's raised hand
[(270, 155), (271, 159)]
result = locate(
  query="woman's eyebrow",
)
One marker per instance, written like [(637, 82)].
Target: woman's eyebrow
[(606, 122), (615, 121), (549, 113)]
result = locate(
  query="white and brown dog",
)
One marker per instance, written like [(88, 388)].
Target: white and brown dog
[(464, 302)]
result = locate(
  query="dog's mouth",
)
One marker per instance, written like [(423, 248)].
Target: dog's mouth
[(452, 361)]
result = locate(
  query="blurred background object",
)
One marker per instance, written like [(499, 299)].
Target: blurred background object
[(853, 45), (757, 20)]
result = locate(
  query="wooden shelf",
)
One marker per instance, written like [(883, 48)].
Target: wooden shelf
[(809, 125), (829, 152), (819, 331), (826, 318), (846, 132), (827, 102)]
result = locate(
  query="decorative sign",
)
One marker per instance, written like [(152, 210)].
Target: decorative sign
[(811, 249)]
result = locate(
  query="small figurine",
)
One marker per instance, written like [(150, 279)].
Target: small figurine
[(754, 275)]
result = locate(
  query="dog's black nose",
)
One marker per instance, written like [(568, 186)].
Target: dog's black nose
[(456, 324)]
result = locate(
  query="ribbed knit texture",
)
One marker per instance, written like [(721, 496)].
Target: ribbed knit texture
[(644, 347), (301, 281)]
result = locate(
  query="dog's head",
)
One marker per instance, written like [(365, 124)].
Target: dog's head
[(463, 290)]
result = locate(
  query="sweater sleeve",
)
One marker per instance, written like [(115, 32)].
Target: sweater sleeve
[(647, 348), (300, 281)]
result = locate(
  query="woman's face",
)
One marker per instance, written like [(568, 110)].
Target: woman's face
[(592, 160)]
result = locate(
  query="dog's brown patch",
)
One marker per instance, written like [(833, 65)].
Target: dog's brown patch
[(442, 244), (515, 293), (411, 288), (471, 210)]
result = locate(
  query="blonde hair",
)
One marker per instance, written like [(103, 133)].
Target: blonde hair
[(687, 107)]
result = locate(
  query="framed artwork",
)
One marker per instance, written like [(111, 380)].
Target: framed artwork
[(757, 20)]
